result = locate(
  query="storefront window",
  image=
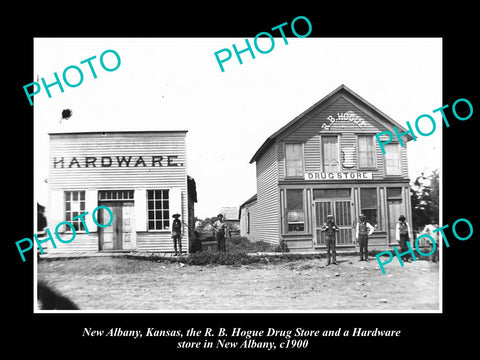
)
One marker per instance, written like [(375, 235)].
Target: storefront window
[(74, 206), (295, 212), (294, 159), (369, 207), (158, 210)]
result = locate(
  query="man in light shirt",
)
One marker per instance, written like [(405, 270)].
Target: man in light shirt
[(363, 231), (402, 235), (219, 226)]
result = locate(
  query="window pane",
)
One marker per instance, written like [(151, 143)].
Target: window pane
[(295, 227), (67, 195), (294, 159), (331, 193), (165, 194), (295, 216), (343, 193), (394, 193), (330, 153), (368, 198), (151, 205), (366, 151), (151, 225), (295, 213), (150, 194), (82, 195), (392, 159), (74, 195), (295, 199)]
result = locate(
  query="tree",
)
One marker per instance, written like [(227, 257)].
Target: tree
[(425, 196)]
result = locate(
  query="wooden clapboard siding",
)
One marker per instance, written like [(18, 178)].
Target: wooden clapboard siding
[(265, 214), (309, 131), (140, 179), (116, 145), (255, 224), (158, 242), (81, 242)]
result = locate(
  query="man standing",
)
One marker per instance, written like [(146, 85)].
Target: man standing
[(219, 226), (330, 228), (364, 230), (402, 235), (177, 233), (430, 230)]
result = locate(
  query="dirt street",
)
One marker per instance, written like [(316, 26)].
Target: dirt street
[(105, 283)]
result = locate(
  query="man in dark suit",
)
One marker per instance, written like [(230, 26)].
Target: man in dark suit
[(330, 228)]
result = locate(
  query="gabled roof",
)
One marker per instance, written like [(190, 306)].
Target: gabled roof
[(252, 199), (341, 89)]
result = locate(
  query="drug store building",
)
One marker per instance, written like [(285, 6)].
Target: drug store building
[(140, 176), (327, 161)]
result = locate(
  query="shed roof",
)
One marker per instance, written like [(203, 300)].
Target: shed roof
[(339, 90)]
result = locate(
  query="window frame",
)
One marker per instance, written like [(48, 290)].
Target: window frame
[(287, 211), (286, 161), (163, 220), (373, 152), (77, 224), (377, 207), (339, 152), (385, 159)]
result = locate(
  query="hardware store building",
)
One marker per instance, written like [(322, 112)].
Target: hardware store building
[(327, 161), (140, 176)]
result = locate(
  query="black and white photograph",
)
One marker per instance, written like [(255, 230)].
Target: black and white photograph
[(265, 186), (290, 181)]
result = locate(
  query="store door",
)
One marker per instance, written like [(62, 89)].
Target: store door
[(394, 212), (120, 235), (341, 210)]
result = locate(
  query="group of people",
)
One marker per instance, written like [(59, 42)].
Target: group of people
[(219, 227), (362, 232)]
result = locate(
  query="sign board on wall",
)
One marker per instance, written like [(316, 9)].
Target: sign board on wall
[(359, 175)]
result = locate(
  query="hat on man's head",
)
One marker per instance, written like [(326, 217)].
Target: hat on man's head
[(176, 215), (401, 218), (220, 215)]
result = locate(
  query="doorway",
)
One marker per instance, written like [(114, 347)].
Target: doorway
[(120, 235), (341, 209), (394, 212)]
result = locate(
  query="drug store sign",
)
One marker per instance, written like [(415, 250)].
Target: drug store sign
[(359, 175)]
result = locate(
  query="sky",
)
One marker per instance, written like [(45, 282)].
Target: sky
[(177, 84)]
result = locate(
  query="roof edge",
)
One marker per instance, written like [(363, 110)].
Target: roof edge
[(268, 142)]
